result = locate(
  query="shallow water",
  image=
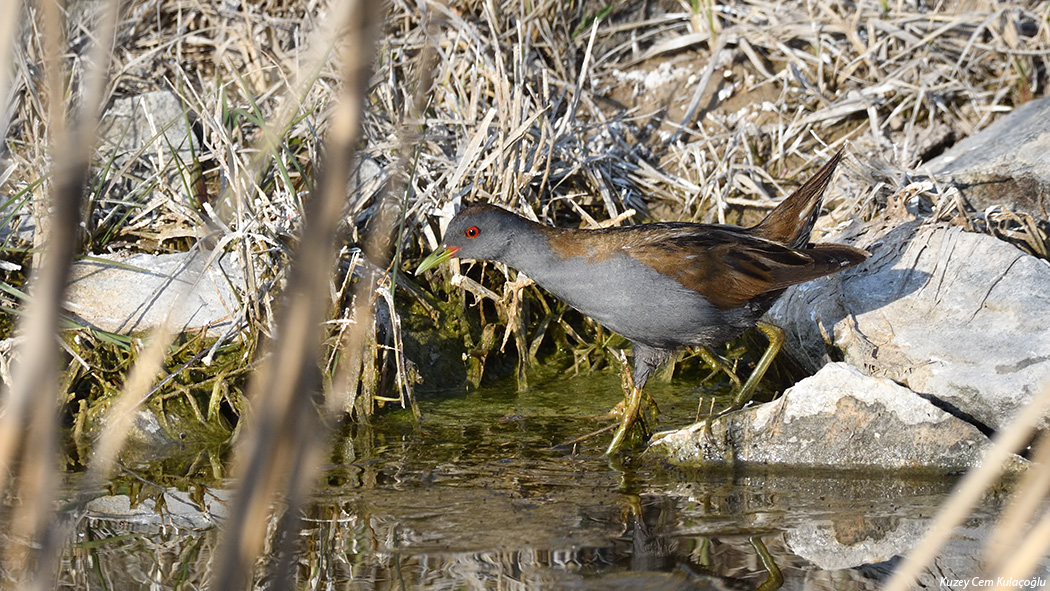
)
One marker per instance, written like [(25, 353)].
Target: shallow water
[(476, 497)]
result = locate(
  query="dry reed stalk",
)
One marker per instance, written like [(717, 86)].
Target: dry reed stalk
[(9, 19), (105, 456), (29, 421), (390, 213), (279, 455), (971, 489), (518, 115)]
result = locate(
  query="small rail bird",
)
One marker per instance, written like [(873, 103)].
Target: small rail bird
[(663, 285)]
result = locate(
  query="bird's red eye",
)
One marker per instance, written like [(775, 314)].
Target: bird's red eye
[(472, 232)]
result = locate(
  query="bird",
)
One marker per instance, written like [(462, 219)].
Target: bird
[(663, 285)]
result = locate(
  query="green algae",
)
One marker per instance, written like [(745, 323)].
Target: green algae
[(193, 405)]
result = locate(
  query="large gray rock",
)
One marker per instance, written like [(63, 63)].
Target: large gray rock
[(1008, 163), (837, 418), (957, 316), (136, 293)]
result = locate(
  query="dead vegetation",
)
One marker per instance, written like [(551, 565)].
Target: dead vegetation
[(574, 114)]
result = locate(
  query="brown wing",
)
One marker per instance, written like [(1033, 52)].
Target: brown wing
[(730, 268)]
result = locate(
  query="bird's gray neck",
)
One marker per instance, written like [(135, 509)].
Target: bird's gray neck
[(532, 253)]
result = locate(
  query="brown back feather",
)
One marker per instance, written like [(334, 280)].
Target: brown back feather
[(731, 268)]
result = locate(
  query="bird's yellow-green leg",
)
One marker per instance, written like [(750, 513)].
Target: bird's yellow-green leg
[(630, 413), (776, 340)]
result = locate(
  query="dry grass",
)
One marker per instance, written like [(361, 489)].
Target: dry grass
[(670, 110)]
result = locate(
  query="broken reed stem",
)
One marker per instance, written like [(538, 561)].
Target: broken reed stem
[(280, 453)]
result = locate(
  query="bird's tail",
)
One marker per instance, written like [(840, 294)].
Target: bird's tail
[(791, 222)]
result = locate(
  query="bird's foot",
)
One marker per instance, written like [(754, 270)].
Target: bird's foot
[(630, 416), (776, 341), (623, 428), (617, 412)]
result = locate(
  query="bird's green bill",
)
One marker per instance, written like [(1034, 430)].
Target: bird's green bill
[(436, 258)]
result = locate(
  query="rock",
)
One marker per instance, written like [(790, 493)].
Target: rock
[(957, 316), (837, 418), (150, 128), (874, 547), (367, 178), (855, 540), (179, 510), (147, 432), (134, 294), (143, 134), (1008, 163)]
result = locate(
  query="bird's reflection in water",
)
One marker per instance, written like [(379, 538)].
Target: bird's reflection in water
[(657, 558)]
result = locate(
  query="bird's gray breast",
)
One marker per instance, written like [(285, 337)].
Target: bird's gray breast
[(634, 300)]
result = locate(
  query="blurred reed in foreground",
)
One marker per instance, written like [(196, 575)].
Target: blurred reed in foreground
[(518, 118), (279, 453)]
